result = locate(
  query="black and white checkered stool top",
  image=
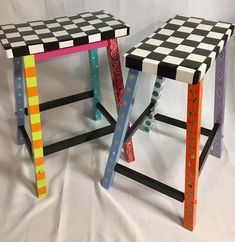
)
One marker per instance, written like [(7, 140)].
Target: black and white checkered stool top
[(42, 36), (182, 49)]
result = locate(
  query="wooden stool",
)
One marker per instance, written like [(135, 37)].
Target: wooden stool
[(183, 50), (39, 40)]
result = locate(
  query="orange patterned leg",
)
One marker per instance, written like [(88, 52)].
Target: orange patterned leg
[(192, 153)]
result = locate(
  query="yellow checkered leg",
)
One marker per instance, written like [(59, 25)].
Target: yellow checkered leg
[(35, 124)]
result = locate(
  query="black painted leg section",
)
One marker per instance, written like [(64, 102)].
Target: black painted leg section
[(65, 144), (76, 140), (178, 123), (145, 180), (207, 148), (154, 184), (131, 131), (26, 141), (149, 182), (106, 114), (63, 101)]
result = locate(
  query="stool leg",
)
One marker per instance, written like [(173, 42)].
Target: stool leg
[(19, 96), (219, 103), (118, 87), (95, 79), (35, 124), (192, 153), (121, 127), (158, 86)]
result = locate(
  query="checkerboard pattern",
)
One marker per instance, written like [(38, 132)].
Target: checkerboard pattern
[(183, 49), (42, 36)]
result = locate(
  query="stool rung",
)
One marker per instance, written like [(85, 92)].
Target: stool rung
[(106, 114), (178, 123), (206, 149), (149, 182), (63, 101), (76, 140), (138, 122), (26, 140), (204, 131)]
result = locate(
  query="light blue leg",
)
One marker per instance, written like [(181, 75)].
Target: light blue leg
[(19, 96), (158, 86), (95, 79), (121, 127)]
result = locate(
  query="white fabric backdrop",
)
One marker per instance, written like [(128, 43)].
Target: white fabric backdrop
[(78, 209)]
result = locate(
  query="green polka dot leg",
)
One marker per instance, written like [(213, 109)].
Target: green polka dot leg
[(95, 79), (158, 86)]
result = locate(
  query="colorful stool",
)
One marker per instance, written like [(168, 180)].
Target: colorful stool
[(183, 50), (39, 40)]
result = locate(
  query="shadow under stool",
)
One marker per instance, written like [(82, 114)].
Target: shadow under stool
[(39, 40), (183, 49)]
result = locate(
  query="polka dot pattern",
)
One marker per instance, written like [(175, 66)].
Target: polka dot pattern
[(192, 154), (95, 80), (121, 127), (159, 83)]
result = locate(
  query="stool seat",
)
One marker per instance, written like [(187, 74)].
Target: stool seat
[(182, 49), (39, 40), (42, 36)]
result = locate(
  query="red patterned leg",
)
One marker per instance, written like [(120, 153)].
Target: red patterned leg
[(118, 87)]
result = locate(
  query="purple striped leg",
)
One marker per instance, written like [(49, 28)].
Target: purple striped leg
[(219, 104), (121, 127)]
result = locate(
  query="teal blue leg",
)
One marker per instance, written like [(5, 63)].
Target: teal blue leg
[(158, 86), (121, 127), (19, 96), (95, 79)]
